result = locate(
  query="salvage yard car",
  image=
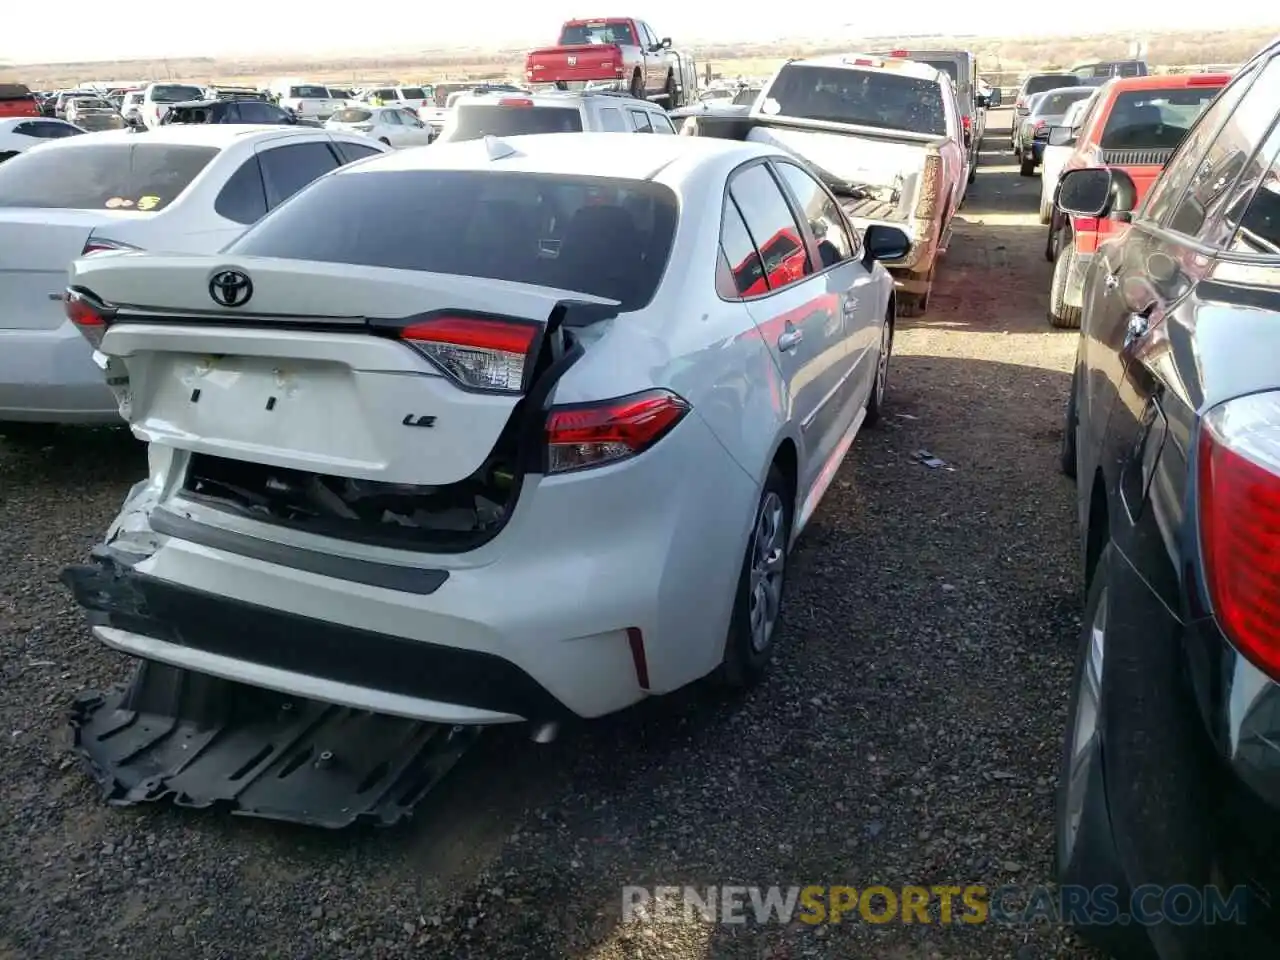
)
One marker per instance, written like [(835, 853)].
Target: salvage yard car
[(1171, 759), (1047, 110), (182, 188), (21, 134), (1136, 124), (394, 126), (474, 116), (449, 375), (885, 135)]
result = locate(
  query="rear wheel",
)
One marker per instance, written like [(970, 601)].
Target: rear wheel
[(758, 603), (637, 85), (876, 403), (1027, 165), (671, 92), (1061, 314)]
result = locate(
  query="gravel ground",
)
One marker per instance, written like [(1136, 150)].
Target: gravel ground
[(909, 733)]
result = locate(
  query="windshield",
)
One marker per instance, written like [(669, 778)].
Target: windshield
[(598, 31), (103, 176), (413, 93), (746, 96), (475, 120), (596, 235), (1057, 102), (867, 98), (1048, 81), (174, 93), (949, 67), (309, 92), (352, 116), (1153, 119)]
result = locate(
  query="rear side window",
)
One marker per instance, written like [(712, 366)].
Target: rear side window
[(243, 198), (309, 92), (640, 121), (594, 235), (103, 176), (611, 120), (772, 226), (413, 93), (740, 257), (351, 152), (476, 120), (286, 170)]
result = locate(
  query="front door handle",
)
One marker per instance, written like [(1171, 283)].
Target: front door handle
[(789, 340), (1135, 328)]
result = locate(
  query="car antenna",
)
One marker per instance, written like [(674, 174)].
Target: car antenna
[(498, 149)]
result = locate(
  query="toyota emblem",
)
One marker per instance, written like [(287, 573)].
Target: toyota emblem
[(230, 288)]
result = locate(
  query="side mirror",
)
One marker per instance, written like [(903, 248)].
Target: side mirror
[(1097, 192), (882, 242), (1062, 136), (666, 43)]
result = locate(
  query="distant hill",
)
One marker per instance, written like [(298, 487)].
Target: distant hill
[(1000, 58)]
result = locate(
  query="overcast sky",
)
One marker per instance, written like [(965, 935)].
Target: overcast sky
[(90, 30)]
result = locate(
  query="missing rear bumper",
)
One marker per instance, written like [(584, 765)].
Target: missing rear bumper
[(201, 742)]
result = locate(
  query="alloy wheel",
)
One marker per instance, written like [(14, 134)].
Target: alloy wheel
[(768, 563), (1085, 743)]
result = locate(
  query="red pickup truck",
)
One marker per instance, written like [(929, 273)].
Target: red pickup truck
[(17, 101), (618, 50)]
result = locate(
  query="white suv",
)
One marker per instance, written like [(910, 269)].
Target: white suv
[(477, 115)]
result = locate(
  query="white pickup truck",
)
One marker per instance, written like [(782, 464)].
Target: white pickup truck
[(309, 100), (884, 134)]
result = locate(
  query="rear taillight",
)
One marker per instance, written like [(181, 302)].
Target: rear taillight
[(930, 188), (103, 245), (90, 317), (515, 102), (1040, 125), (967, 123), (1239, 493), (595, 434), (480, 353)]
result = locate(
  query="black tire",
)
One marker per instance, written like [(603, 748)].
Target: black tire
[(745, 661), (1092, 860), (637, 86), (1061, 314), (875, 404), (1067, 451), (1046, 211), (1027, 165), (670, 92), (973, 170)]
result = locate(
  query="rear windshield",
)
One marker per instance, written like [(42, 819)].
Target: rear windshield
[(1049, 81), (352, 116), (413, 93), (13, 91), (309, 92), (475, 120), (746, 96), (104, 176), (594, 235), (598, 31), (1056, 104), (175, 93), (87, 103), (1153, 119), (867, 98)]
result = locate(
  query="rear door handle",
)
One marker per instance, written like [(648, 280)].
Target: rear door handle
[(790, 340)]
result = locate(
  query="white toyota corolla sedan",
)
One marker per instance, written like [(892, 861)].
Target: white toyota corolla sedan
[(491, 431)]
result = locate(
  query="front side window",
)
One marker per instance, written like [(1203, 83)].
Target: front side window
[(175, 93), (835, 244), (287, 169)]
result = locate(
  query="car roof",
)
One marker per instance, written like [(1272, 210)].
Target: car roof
[(849, 61), (1168, 81), (571, 154), (218, 135)]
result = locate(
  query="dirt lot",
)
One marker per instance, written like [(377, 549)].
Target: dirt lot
[(909, 733)]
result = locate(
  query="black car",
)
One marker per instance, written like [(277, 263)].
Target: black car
[(234, 110), (1169, 794)]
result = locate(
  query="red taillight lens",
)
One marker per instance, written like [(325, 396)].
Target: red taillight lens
[(1239, 491), (967, 123), (103, 245), (90, 318), (592, 435), (480, 353), (902, 54)]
